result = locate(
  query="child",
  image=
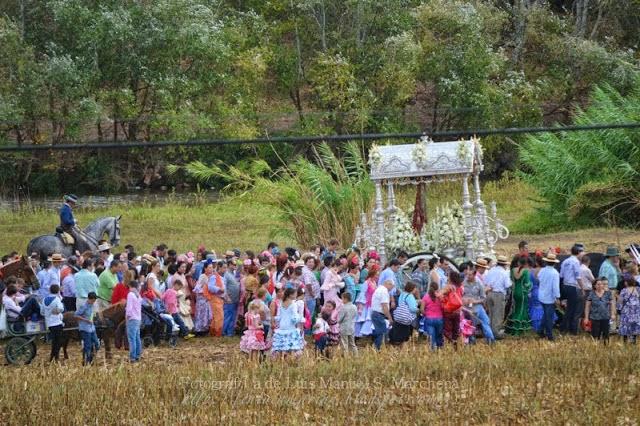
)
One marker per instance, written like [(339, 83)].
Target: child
[(334, 330), (170, 300), (301, 308), (332, 284), (253, 341), (347, 324), (87, 329), (320, 330), (184, 309), (53, 309), (432, 310), (265, 312), (286, 338), (134, 317)]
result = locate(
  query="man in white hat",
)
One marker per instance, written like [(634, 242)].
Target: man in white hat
[(51, 275), (548, 294), (104, 249), (497, 281)]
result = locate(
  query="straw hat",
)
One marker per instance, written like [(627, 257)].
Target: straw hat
[(502, 260), (56, 258), (229, 253), (104, 247), (480, 262), (148, 258), (299, 263), (551, 257)]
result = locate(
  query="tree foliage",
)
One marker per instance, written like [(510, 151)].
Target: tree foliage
[(79, 70)]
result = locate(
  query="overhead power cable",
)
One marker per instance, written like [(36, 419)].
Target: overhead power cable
[(451, 134)]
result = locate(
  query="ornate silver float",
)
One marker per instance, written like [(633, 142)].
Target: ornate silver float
[(431, 162)]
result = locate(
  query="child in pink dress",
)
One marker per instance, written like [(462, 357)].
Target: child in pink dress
[(253, 340), (332, 285)]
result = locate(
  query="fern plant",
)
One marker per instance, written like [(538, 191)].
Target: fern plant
[(595, 175)]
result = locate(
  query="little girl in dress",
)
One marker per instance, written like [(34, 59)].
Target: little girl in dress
[(253, 341)]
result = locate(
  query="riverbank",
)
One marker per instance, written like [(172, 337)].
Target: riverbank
[(243, 223), (221, 225)]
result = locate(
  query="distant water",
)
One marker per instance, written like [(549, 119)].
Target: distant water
[(98, 201)]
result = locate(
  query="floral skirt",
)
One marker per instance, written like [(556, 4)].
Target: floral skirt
[(203, 314), (253, 340), (287, 340)]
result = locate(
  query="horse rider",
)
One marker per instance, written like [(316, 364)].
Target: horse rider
[(68, 223)]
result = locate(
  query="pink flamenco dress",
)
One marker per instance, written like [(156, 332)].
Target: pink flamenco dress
[(253, 338)]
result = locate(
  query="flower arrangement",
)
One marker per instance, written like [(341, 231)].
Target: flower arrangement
[(464, 153), (419, 153), (375, 157), (400, 235), (445, 229)]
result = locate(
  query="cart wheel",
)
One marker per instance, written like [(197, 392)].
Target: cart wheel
[(147, 341), (20, 351), (173, 341)]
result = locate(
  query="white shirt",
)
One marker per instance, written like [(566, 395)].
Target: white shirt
[(10, 305), (498, 279), (380, 296), (587, 277)]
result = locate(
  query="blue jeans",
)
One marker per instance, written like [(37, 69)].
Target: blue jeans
[(380, 328), (229, 325), (434, 327), (90, 344), (133, 336), (485, 323), (180, 322), (549, 310)]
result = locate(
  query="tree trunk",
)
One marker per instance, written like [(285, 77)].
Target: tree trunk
[(520, 31), (582, 17)]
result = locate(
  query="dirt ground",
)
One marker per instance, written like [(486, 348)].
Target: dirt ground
[(595, 240)]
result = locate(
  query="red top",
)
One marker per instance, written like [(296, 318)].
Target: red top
[(148, 294), (120, 292)]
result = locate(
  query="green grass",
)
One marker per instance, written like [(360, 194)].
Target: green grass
[(221, 226)]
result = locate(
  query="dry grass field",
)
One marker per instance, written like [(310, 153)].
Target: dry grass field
[(207, 381)]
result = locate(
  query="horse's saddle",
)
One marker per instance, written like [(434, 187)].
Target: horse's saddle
[(66, 238)]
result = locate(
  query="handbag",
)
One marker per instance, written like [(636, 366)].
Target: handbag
[(453, 302), (402, 314)]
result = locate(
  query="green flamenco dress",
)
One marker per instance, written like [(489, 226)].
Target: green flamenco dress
[(519, 321)]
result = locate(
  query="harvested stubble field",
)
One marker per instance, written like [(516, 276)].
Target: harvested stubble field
[(205, 381)]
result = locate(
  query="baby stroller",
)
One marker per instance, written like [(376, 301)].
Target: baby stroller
[(157, 325)]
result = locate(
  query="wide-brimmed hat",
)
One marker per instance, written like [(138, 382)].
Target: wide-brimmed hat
[(56, 257), (480, 262), (502, 260), (612, 251), (299, 263), (104, 247), (551, 257), (71, 198), (307, 255)]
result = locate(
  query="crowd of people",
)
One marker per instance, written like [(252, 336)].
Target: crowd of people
[(276, 298)]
